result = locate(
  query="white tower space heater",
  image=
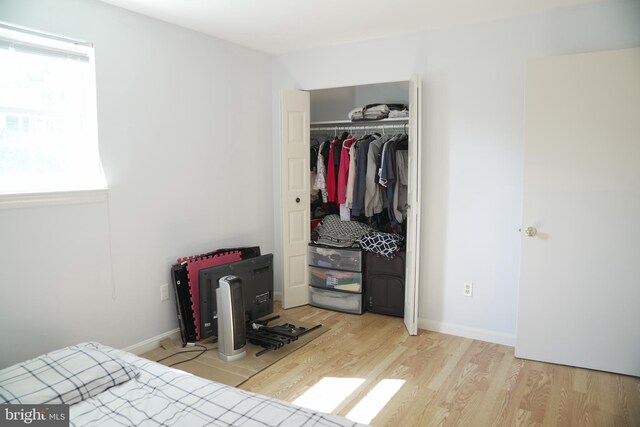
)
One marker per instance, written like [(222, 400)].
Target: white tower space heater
[(232, 333)]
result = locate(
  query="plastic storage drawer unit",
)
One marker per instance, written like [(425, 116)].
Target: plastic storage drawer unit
[(338, 301), (339, 259), (348, 281)]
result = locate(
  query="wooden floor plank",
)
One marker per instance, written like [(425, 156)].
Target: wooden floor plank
[(448, 380)]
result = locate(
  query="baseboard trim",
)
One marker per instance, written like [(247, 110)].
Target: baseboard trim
[(277, 296), (467, 332), (153, 343)]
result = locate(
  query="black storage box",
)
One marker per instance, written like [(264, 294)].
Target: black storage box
[(384, 277)]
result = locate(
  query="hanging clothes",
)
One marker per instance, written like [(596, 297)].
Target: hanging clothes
[(357, 207), (344, 169), (364, 177), (343, 173), (351, 179), (332, 195), (373, 200), (402, 182), (324, 150), (320, 182), (334, 165), (382, 180), (388, 174), (315, 150)]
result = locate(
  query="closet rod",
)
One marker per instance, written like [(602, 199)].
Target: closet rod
[(369, 127)]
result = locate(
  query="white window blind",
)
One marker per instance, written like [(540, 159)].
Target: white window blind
[(48, 117)]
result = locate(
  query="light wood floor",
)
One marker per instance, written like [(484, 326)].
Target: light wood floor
[(449, 381)]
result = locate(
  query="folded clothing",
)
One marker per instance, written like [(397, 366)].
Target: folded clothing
[(385, 244), (376, 108), (369, 112), (356, 114), (340, 234), (396, 114), (397, 107)]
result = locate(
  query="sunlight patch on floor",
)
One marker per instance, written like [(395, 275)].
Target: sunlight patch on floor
[(328, 393), (370, 405)]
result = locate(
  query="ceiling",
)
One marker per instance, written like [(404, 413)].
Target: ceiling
[(278, 26)]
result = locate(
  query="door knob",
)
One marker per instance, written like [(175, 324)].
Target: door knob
[(530, 231), (297, 199)]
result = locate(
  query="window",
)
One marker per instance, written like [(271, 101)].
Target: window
[(48, 118)]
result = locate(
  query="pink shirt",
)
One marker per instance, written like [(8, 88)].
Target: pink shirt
[(343, 172), (331, 180)]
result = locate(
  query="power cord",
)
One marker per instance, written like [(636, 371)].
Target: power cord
[(202, 350)]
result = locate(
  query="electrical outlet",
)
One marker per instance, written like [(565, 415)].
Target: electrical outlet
[(468, 289), (164, 292)]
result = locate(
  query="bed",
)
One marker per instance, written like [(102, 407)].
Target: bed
[(109, 387)]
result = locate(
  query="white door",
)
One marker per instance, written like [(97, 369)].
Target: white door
[(295, 192), (579, 297), (412, 275)]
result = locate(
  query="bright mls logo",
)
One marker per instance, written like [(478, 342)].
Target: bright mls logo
[(35, 415)]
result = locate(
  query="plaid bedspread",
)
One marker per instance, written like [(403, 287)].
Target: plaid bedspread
[(162, 396)]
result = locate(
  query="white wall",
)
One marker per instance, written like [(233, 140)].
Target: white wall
[(184, 129), (331, 104), (335, 103), (473, 79)]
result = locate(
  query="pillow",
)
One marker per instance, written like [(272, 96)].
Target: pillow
[(68, 375)]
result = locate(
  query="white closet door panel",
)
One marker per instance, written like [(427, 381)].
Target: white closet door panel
[(413, 213), (295, 191)]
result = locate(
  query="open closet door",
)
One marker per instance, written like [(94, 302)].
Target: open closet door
[(413, 212), (295, 193)]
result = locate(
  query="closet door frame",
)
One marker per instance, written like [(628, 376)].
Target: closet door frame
[(412, 269), (412, 272)]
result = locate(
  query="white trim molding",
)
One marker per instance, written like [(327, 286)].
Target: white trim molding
[(467, 332), (153, 343), (32, 200)]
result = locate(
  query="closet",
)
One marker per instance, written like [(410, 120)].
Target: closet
[(313, 118)]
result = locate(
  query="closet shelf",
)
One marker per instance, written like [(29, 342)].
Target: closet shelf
[(361, 122)]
